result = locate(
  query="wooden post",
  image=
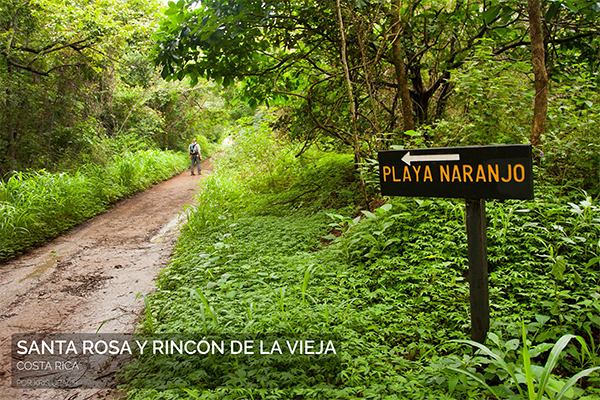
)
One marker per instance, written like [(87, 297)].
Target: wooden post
[(478, 269), (441, 167)]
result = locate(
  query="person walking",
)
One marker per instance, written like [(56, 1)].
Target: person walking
[(195, 156)]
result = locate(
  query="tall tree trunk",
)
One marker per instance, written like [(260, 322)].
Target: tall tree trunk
[(355, 140), (538, 61), (11, 110), (420, 95), (441, 102), (10, 127), (369, 82), (401, 73)]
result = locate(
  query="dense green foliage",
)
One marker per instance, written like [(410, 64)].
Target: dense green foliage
[(389, 285), (468, 72), (37, 206), (84, 114), (74, 75), (277, 245), (334, 66)]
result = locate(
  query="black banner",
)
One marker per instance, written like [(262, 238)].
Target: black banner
[(68, 361)]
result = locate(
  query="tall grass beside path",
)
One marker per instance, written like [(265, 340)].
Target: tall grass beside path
[(37, 206)]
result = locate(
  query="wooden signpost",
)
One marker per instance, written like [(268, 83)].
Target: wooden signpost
[(475, 173)]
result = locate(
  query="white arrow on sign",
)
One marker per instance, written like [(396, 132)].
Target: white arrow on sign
[(430, 157)]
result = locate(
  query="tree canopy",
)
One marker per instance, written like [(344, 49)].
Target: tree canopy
[(396, 52), (73, 73)]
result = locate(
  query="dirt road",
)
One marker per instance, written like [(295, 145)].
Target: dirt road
[(89, 278)]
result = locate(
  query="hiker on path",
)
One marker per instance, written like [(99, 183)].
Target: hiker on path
[(195, 156)]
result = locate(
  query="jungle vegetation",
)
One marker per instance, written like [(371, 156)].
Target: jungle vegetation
[(85, 118), (291, 236)]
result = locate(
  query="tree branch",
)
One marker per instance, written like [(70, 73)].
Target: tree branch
[(77, 46), (24, 67), (551, 41), (297, 197)]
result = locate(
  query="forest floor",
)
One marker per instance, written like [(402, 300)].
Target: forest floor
[(89, 278)]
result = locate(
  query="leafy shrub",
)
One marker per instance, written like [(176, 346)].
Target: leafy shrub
[(491, 104), (571, 150), (502, 367), (258, 257), (393, 287), (266, 168)]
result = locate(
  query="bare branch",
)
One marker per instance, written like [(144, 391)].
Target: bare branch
[(551, 41)]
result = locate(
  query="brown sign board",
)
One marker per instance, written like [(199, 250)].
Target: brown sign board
[(472, 172)]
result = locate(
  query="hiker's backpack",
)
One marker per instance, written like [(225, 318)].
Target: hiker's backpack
[(193, 149)]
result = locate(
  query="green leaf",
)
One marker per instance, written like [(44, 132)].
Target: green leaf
[(171, 10), (512, 344), (527, 364), (577, 277), (369, 214), (594, 318), (496, 358), (559, 267), (476, 378), (494, 338), (491, 14), (307, 274), (390, 241), (542, 319), (386, 207), (452, 383), (206, 304), (552, 361), (552, 11), (573, 380)]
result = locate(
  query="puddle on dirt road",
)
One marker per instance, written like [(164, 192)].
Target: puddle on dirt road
[(43, 267), (172, 225)]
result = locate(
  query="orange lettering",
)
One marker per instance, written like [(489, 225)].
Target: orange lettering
[(456, 174), (417, 169), (406, 174), (394, 175), (480, 173), (386, 172), (427, 174), (522, 168), (467, 170), (445, 173), (493, 173), (509, 175)]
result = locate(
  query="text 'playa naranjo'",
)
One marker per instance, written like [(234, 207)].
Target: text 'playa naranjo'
[(476, 172)]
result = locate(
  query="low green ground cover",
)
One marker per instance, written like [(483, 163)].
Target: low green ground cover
[(266, 254), (37, 206)]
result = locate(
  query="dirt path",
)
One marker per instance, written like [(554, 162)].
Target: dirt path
[(92, 275)]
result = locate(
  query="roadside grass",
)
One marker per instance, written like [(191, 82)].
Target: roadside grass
[(37, 206), (389, 287), (394, 310)]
